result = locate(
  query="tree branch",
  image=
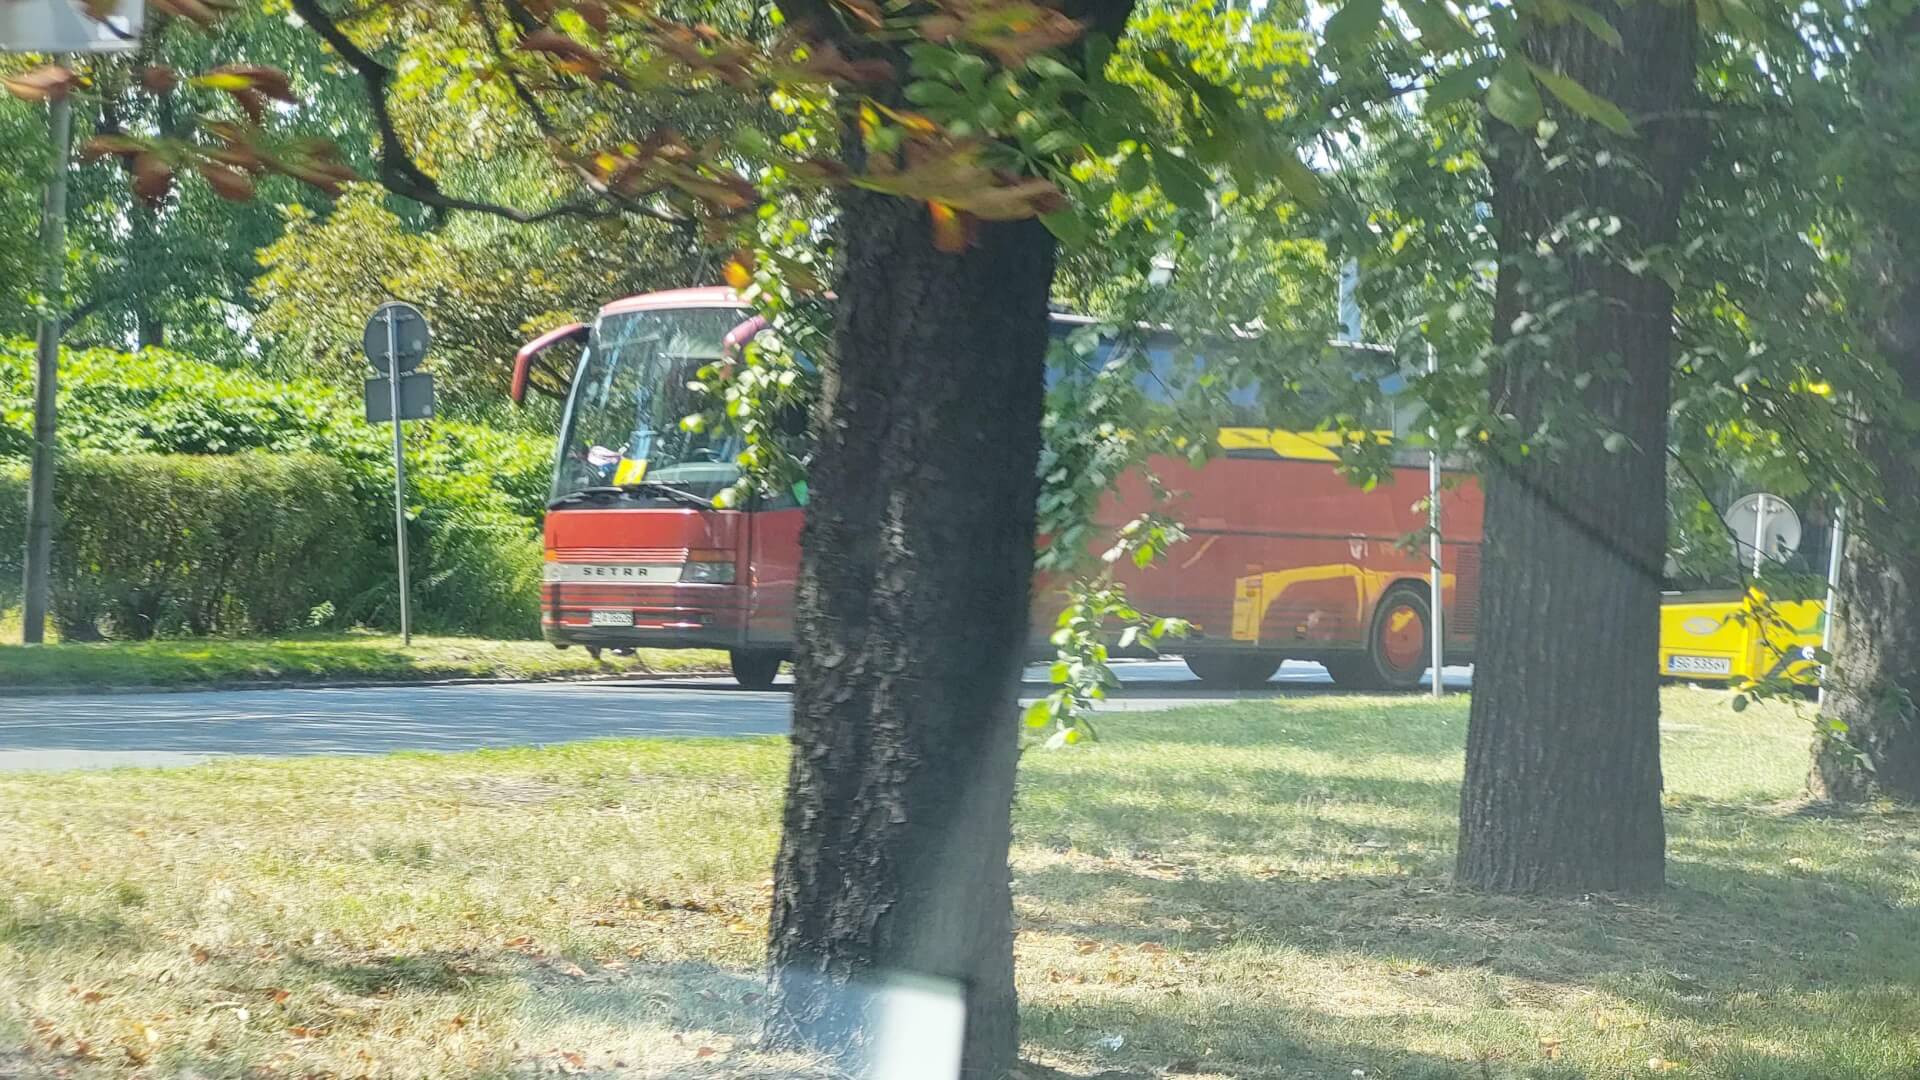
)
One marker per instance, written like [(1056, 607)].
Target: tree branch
[(400, 174)]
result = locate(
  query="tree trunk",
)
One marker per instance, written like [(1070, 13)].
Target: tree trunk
[(912, 619), (1874, 748), (1562, 790)]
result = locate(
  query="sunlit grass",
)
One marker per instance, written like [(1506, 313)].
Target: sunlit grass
[(315, 657), (1253, 890)]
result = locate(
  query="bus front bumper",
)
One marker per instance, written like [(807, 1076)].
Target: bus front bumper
[(653, 616)]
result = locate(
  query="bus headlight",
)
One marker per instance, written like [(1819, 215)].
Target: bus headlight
[(707, 573)]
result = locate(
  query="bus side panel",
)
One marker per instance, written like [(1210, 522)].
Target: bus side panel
[(1286, 555), (773, 572)]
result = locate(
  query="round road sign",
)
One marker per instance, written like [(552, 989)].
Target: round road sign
[(403, 326)]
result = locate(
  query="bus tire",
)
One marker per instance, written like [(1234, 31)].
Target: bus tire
[(754, 669), (1398, 645), (1241, 669)]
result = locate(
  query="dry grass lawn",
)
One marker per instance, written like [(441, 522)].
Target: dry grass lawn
[(1256, 890)]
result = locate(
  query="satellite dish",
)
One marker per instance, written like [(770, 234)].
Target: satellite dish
[(1763, 527)]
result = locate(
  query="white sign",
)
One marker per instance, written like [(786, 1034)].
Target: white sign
[(61, 26)]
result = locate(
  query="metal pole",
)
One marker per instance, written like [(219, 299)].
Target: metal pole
[(399, 474), (46, 381), (1830, 610), (1435, 595), (1759, 534)]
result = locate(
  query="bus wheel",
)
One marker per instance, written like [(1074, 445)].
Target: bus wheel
[(1398, 648), (754, 668), (1242, 669)]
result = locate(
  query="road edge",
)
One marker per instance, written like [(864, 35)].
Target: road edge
[(224, 685)]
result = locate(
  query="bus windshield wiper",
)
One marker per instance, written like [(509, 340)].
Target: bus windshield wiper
[(672, 492), (586, 494), (657, 488)]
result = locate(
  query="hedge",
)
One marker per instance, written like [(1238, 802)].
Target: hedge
[(245, 543), (163, 455)]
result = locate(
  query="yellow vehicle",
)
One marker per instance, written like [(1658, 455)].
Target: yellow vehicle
[(1734, 637)]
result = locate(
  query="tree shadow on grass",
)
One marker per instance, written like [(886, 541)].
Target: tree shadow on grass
[(1815, 954), (58, 931), (443, 973)]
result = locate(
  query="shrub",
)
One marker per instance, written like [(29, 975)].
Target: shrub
[(148, 544), (475, 496)]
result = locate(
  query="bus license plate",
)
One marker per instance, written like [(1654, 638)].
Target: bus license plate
[(1701, 665), (611, 618)]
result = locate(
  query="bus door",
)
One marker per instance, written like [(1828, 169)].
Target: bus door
[(773, 567)]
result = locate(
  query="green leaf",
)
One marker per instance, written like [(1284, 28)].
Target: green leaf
[(1134, 173), (1354, 24), (1301, 182), (1050, 69), (1039, 713), (1059, 140), (1595, 22), (1184, 183), (1452, 87), (1512, 97), (1440, 30), (1581, 100), (935, 94), (1068, 227)]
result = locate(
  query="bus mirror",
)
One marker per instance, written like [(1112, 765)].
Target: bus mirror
[(523, 360)]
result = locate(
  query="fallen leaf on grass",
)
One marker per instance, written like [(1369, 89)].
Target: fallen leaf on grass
[(520, 942), (1152, 947), (278, 995), (1084, 946), (1551, 1048), (93, 997), (705, 1051), (200, 955)]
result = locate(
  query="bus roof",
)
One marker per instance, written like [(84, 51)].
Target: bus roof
[(711, 296)]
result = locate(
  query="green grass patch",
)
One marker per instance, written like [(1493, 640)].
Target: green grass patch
[(318, 658), (1255, 890)]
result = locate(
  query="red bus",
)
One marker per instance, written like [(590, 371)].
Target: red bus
[(1287, 560)]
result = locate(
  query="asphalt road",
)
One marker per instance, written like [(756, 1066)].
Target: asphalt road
[(184, 728)]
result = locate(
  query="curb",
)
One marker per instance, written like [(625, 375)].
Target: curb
[(78, 690)]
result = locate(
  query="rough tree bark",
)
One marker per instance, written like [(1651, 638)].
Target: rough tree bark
[(912, 619), (913, 609), (1562, 790), (1876, 644)]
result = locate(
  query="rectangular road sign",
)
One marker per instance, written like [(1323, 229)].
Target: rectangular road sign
[(416, 398)]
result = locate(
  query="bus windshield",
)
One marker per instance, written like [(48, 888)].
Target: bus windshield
[(622, 427)]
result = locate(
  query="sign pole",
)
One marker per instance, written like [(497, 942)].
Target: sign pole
[(1435, 593), (1831, 609), (399, 474), (46, 380)]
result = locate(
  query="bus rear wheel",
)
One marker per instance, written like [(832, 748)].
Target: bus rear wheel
[(1241, 669), (754, 668), (1397, 645)]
